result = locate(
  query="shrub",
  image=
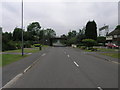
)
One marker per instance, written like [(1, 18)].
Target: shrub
[(92, 49), (18, 45), (27, 44), (37, 45), (83, 47), (89, 42), (11, 45)]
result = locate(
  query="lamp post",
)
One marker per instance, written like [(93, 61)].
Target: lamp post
[(22, 30)]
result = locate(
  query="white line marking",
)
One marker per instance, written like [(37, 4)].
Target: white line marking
[(76, 64), (99, 88), (29, 53), (27, 68), (68, 55), (12, 81), (43, 54)]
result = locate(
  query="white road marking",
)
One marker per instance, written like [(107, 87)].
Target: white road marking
[(27, 69), (68, 55), (76, 64), (99, 88), (12, 81), (29, 53), (43, 54)]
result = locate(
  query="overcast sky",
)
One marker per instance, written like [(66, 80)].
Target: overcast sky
[(62, 16)]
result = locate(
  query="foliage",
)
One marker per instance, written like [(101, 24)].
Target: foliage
[(37, 45), (92, 49), (89, 42), (8, 46), (27, 44), (71, 41), (33, 30), (101, 39), (117, 27), (33, 35), (17, 34), (91, 30), (83, 47)]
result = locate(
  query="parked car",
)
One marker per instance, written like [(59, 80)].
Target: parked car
[(111, 45)]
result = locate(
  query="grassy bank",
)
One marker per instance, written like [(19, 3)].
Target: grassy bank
[(26, 50), (114, 55), (10, 58), (106, 50)]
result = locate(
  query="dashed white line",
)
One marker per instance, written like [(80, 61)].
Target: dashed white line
[(65, 52), (43, 54), (99, 88), (76, 64), (68, 55)]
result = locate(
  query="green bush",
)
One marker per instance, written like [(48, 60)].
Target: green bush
[(27, 44), (89, 42), (92, 49), (83, 47), (18, 45), (37, 45)]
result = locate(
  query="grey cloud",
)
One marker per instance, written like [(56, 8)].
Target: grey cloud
[(62, 16)]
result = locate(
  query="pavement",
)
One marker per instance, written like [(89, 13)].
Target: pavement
[(61, 67)]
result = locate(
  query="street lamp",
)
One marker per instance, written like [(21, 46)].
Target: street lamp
[(22, 30)]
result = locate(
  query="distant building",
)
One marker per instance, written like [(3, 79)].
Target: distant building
[(114, 37)]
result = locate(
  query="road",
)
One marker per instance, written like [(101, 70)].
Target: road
[(66, 67)]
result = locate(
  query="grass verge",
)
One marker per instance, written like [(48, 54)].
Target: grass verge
[(106, 49), (26, 50), (114, 55), (10, 58)]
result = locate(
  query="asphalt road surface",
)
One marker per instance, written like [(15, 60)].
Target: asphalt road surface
[(65, 67)]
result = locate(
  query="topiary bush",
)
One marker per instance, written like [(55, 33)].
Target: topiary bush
[(89, 42)]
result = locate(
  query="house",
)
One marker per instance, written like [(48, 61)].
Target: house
[(114, 36)]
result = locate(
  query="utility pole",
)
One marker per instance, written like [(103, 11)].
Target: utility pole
[(22, 30)]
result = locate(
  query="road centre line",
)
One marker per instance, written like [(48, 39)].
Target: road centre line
[(99, 88), (19, 75), (76, 64), (43, 54), (65, 52), (68, 56)]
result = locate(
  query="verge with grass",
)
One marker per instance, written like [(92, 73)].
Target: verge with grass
[(26, 50), (106, 49), (114, 55), (10, 58)]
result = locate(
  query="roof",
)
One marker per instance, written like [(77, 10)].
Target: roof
[(115, 32)]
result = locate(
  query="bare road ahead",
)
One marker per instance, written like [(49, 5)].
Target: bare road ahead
[(65, 67)]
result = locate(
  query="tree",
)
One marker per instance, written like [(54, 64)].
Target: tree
[(81, 35), (101, 39), (17, 34), (72, 34), (91, 30), (49, 33), (117, 27), (33, 30)]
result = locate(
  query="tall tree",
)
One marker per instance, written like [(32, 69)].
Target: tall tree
[(17, 34), (33, 30), (91, 30)]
